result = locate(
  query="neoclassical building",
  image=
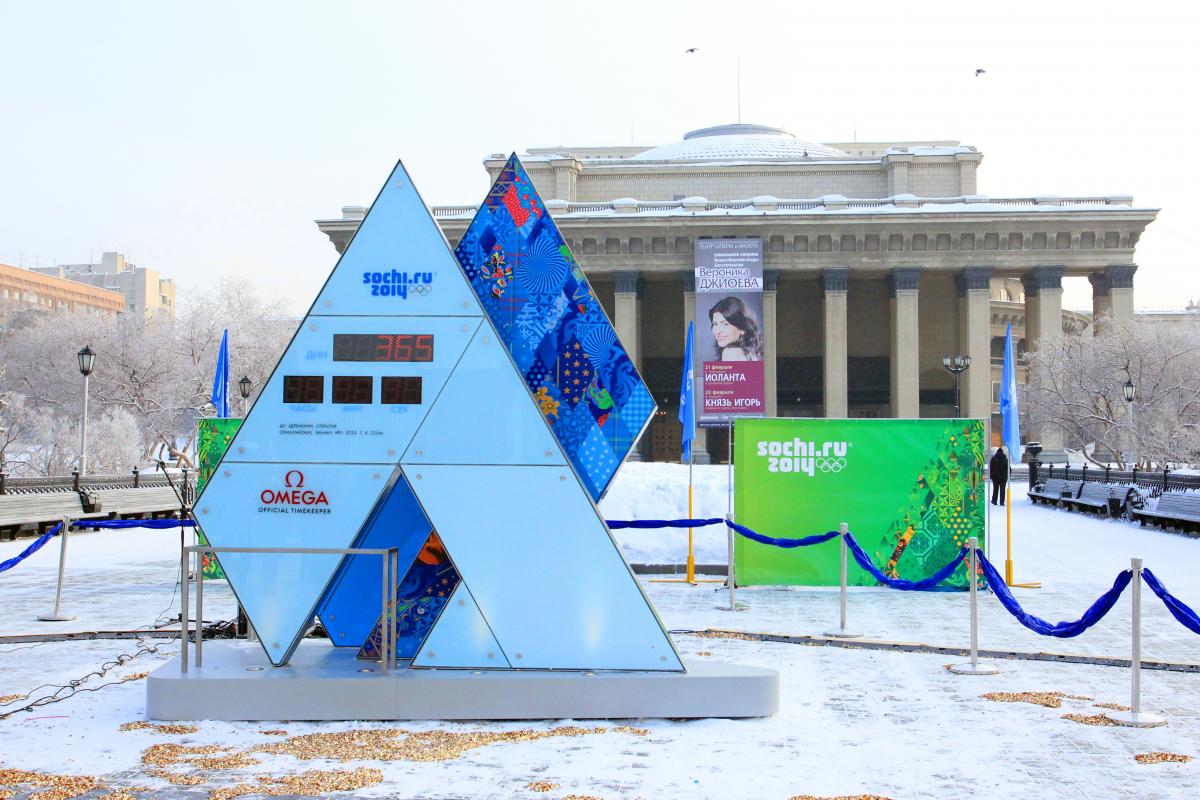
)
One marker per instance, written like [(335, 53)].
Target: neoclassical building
[(879, 259)]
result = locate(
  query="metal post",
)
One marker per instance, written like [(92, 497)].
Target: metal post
[(185, 587), (974, 667), (734, 605), (691, 555), (83, 430), (383, 619), (842, 632), (1135, 717), (58, 616), (395, 556), (199, 609)]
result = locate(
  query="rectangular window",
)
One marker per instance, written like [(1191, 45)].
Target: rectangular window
[(352, 389), (303, 389), (400, 391), (996, 392)]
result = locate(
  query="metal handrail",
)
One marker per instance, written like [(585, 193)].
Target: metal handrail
[(389, 558)]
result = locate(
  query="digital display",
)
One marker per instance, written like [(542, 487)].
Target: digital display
[(352, 389), (304, 388), (382, 347), (400, 391)]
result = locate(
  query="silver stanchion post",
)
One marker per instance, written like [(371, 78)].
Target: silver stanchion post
[(973, 667), (734, 605), (58, 616), (1135, 717), (184, 587), (842, 632), (383, 617), (199, 609)]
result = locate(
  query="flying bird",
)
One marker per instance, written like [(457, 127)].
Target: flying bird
[(979, 72), (691, 50)]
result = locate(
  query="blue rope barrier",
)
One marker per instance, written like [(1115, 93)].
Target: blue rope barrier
[(1062, 630), (1179, 610), (777, 542), (121, 524), (923, 585), (616, 524), (38, 543)]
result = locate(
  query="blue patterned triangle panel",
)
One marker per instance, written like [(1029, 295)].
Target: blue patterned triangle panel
[(547, 315)]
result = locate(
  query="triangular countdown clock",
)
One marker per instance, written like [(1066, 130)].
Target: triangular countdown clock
[(467, 412)]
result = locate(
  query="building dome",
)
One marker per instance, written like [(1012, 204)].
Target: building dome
[(739, 143)]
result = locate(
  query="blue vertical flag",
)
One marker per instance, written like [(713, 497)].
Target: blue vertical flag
[(687, 399), (1010, 425), (220, 390)]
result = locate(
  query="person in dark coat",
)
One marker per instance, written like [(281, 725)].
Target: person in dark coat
[(998, 470)]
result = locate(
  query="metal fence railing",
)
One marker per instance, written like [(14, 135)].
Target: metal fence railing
[(1156, 481), (89, 483)]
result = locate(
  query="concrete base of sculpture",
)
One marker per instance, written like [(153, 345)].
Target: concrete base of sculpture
[(326, 683)]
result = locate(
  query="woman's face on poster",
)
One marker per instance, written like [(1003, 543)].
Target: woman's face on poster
[(725, 333)]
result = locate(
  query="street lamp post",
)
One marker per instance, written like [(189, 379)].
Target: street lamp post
[(957, 365), (244, 389), (87, 360), (1130, 391)]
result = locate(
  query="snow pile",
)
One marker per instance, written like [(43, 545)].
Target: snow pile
[(660, 491)]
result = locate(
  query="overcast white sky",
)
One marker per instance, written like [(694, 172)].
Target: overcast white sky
[(204, 139)]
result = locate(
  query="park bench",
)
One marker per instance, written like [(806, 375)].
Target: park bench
[(149, 501), (1175, 509), (38, 510), (1052, 491), (1098, 497)]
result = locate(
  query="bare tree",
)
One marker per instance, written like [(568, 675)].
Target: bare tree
[(1076, 385), (151, 382)]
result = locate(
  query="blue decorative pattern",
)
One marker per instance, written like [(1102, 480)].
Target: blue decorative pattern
[(547, 315)]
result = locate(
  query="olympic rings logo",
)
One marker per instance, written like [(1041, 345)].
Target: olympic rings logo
[(421, 288), (830, 464)]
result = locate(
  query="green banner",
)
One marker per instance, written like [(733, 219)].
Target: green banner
[(212, 440), (911, 491)]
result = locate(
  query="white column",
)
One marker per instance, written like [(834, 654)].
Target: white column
[(1047, 283), (627, 312), (974, 339), (835, 282), (700, 443), (1101, 301), (1120, 283), (770, 337), (1043, 324), (903, 284)]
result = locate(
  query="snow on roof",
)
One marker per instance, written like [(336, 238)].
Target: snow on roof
[(731, 142), (829, 204)]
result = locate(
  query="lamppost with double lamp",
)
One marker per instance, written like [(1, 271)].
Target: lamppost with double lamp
[(1130, 391), (957, 365), (87, 360), (244, 389)]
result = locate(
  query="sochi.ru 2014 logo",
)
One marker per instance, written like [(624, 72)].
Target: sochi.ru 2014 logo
[(293, 497), (800, 456), (395, 283)]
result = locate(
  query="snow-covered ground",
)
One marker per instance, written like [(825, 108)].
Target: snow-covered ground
[(852, 721)]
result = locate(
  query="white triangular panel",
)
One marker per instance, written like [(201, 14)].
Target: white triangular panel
[(273, 506), (398, 263), (484, 415), (461, 637), (543, 568)]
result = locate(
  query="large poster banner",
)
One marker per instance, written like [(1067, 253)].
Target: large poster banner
[(912, 492), (729, 330), (212, 440)]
